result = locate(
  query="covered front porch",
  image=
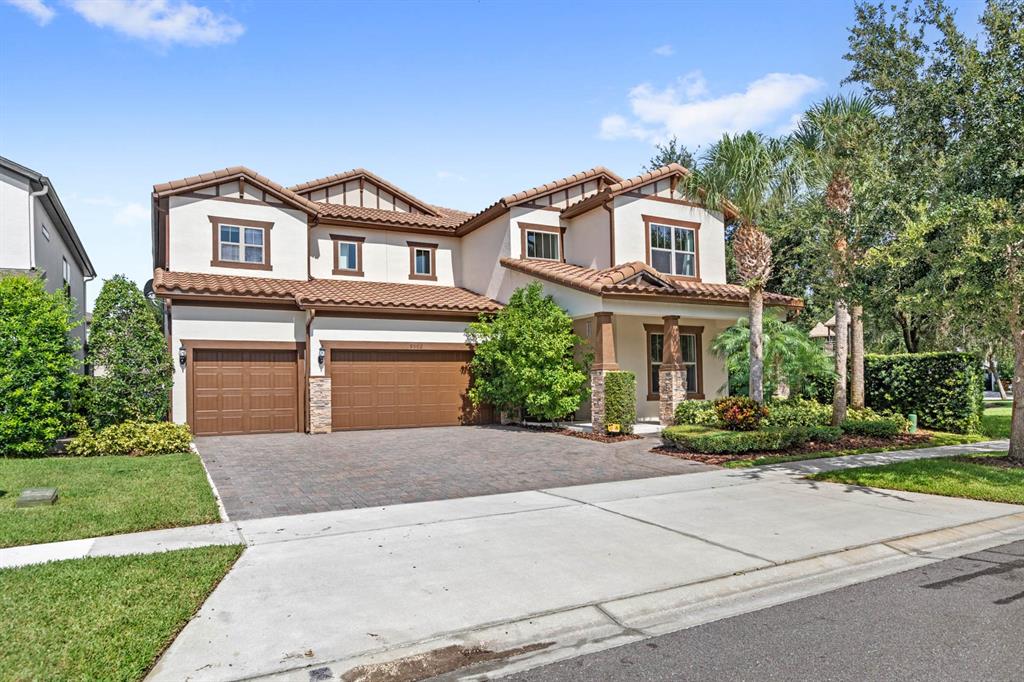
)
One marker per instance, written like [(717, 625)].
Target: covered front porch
[(669, 354)]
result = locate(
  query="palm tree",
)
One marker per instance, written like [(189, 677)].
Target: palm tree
[(832, 140), (748, 175), (791, 356)]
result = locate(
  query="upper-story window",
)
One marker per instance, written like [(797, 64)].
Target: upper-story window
[(46, 232), (65, 269), (241, 243), (541, 242), (348, 255), (672, 246), (422, 260)]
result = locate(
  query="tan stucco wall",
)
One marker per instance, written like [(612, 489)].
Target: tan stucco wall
[(478, 268), (195, 323), (587, 242), (191, 245), (631, 352), (404, 330), (385, 255), (631, 242)]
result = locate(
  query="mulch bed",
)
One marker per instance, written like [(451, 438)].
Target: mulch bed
[(1002, 462), (809, 448), (585, 435)]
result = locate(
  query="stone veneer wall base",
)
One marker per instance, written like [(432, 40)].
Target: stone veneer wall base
[(597, 400), (672, 391), (319, 404)]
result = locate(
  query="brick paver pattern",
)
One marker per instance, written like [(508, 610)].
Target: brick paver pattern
[(259, 476)]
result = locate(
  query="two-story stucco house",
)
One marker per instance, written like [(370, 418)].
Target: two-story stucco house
[(37, 237), (341, 303)]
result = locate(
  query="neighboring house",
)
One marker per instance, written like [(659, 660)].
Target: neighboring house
[(825, 332), (341, 303), (36, 236)]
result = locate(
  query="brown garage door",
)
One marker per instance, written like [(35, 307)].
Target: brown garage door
[(244, 391), (393, 389)]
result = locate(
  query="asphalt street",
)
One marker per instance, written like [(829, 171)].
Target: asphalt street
[(961, 619)]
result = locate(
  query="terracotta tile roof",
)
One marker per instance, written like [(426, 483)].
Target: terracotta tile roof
[(622, 279), (215, 177), (355, 173), (445, 219), (325, 293), (501, 205)]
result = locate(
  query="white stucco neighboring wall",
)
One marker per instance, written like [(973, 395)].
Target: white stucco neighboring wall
[(202, 323), (385, 255), (14, 233), (409, 330), (191, 242), (631, 241)]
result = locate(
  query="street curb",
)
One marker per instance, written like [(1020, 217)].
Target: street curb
[(594, 627)]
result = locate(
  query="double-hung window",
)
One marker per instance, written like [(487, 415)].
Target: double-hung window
[(422, 260), (65, 271), (689, 346), (673, 247), (348, 255), (241, 243)]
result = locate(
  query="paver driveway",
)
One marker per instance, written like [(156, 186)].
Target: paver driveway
[(276, 474)]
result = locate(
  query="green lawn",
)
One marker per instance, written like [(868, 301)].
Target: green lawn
[(938, 477), (103, 496), (995, 422), (938, 438), (101, 618)]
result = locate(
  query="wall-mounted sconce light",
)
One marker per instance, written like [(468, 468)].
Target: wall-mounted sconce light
[(182, 356), (321, 356)]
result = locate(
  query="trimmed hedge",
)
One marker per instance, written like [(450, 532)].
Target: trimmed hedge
[(798, 412), (718, 442), (696, 412), (132, 438), (867, 422), (620, 400), (943, 389)]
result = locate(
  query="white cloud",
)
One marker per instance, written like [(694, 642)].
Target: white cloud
[(664, 50), (36, 8), (450, 175), (163, 21), (132, 215), (686, 109)]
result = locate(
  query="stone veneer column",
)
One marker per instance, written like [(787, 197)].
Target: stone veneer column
[(320, 404), (672, 377), (604, 361)]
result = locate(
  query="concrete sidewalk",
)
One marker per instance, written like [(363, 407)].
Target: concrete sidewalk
[(538, 576)]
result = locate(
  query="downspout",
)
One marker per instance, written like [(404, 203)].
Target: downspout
[(32, 224), (611, 231)]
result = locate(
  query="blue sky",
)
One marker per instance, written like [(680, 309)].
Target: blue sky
[(457, 102)]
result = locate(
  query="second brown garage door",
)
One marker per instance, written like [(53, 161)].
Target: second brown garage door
[(383, 389), (243, 391)]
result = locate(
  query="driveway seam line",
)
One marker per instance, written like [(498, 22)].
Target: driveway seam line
[(749, 555)]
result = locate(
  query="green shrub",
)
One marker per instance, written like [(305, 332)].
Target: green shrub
[(134, 369), (700, 412), (867, 422), (798, 412), (620, 400), (716, 441), (132, 438), (37, 365), (524, 358), (740, 413), (943, 389), (822, 434)]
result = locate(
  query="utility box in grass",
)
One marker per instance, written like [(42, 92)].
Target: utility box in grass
[(37, 497)]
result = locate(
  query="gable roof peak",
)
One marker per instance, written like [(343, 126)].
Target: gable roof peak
[(327, 181)]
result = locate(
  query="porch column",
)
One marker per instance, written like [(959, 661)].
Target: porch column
[(604, 361), (320, 404), (672, 376)]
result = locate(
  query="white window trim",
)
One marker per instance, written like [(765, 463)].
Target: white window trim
[(551, 235), (672, 251), (242, 245)]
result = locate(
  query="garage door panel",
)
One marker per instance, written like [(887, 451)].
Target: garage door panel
[(244, 391), (391, 389)]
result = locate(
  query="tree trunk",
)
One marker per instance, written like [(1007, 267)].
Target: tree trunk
[(842, 342), (857, 357), (993, 369), (756, 385), (1017, 411)]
